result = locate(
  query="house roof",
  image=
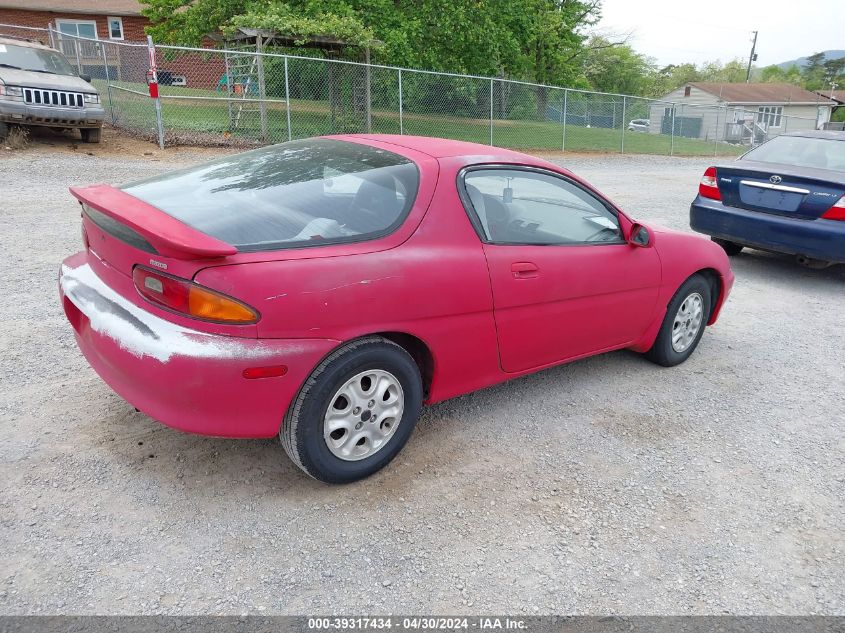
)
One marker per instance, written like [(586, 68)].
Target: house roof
[(838, 95), (761, 93), (98, 7)]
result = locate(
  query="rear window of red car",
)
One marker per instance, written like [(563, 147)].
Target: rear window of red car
[(302, 193)]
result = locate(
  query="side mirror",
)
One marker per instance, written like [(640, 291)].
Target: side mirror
[(639, 236), (85, 78)]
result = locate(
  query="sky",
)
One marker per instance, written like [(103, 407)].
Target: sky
[(684, 31)]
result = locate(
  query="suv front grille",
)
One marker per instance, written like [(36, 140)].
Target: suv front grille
[(37, 96)]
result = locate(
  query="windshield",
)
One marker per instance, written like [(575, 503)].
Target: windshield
[(35, 59), (818, 153), (302, 193)]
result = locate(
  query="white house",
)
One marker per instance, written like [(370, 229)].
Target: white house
[(738, 112)]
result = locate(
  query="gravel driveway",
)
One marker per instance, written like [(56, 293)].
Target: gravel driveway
[(609, 485)]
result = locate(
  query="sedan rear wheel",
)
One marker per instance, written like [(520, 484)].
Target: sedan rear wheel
[(355, 412), (683, 325)]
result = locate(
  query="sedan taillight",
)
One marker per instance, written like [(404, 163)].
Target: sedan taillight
[(708, 188), (190, 299), (837, 211)]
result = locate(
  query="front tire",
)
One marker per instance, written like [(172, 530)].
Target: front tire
[(731, 248), (355, 412), (684, 323)]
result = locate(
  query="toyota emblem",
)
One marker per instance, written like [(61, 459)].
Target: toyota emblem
[(775, 179)]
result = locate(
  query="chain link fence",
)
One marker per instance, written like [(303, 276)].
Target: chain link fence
[(240, 97)]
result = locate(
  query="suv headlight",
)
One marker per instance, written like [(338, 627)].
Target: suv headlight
[(11, 93), (91, 98)]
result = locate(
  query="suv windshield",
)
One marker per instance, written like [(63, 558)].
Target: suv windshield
[(302, 193), (802, 151), (35, 59)]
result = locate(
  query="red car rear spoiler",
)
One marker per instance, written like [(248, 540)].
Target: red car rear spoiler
[(166, 234)]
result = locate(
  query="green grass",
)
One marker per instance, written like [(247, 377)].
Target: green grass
[(200, 121)]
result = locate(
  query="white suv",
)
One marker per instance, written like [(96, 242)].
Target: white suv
[(39, 87)]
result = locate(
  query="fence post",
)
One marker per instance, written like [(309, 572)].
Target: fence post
[(563, 115), (716, 134), (624, 107), (368, 90), (78, 60), (287, 99), (154, 78), (672, 142), (229, 90), (491, 110), (50, 35), (108, 80), (262, 87), (401, 126)]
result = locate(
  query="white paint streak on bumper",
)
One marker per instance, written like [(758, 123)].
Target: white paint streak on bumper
[(140, 332)]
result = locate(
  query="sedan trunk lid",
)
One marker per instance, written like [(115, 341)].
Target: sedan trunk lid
[(798, 192)]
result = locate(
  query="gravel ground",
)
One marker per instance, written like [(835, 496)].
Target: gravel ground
[(609, 485)]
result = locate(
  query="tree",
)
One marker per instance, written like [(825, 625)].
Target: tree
[(732, 72), (673, 76), (553, 40), (776, 74), (617, 68), (814, 72), (834, 71), (528, 39)]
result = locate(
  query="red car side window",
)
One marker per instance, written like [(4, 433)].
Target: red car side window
[(520, 206)]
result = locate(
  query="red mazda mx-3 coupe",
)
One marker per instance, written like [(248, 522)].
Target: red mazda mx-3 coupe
[(322, 290)]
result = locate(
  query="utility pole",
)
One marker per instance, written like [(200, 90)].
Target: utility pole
[(751, 58)]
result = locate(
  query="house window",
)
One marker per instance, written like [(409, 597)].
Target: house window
[(79, 28), (770, 115), (115, 28), (687, 91), (73, 48)]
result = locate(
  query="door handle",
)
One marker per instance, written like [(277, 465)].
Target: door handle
[(524, 270)]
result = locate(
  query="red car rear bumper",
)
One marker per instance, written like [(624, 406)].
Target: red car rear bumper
[(189, 380)]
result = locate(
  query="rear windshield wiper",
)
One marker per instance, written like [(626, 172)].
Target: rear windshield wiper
[(10, 66)]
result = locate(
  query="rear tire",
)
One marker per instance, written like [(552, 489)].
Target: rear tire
[(684, 323), (355, 412), (91, 134), (731, 248)]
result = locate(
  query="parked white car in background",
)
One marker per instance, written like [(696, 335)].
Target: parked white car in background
[(639, 125)]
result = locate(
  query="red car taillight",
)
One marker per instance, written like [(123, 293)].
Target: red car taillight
[(708, 188), (837, 211), (190, 299)]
